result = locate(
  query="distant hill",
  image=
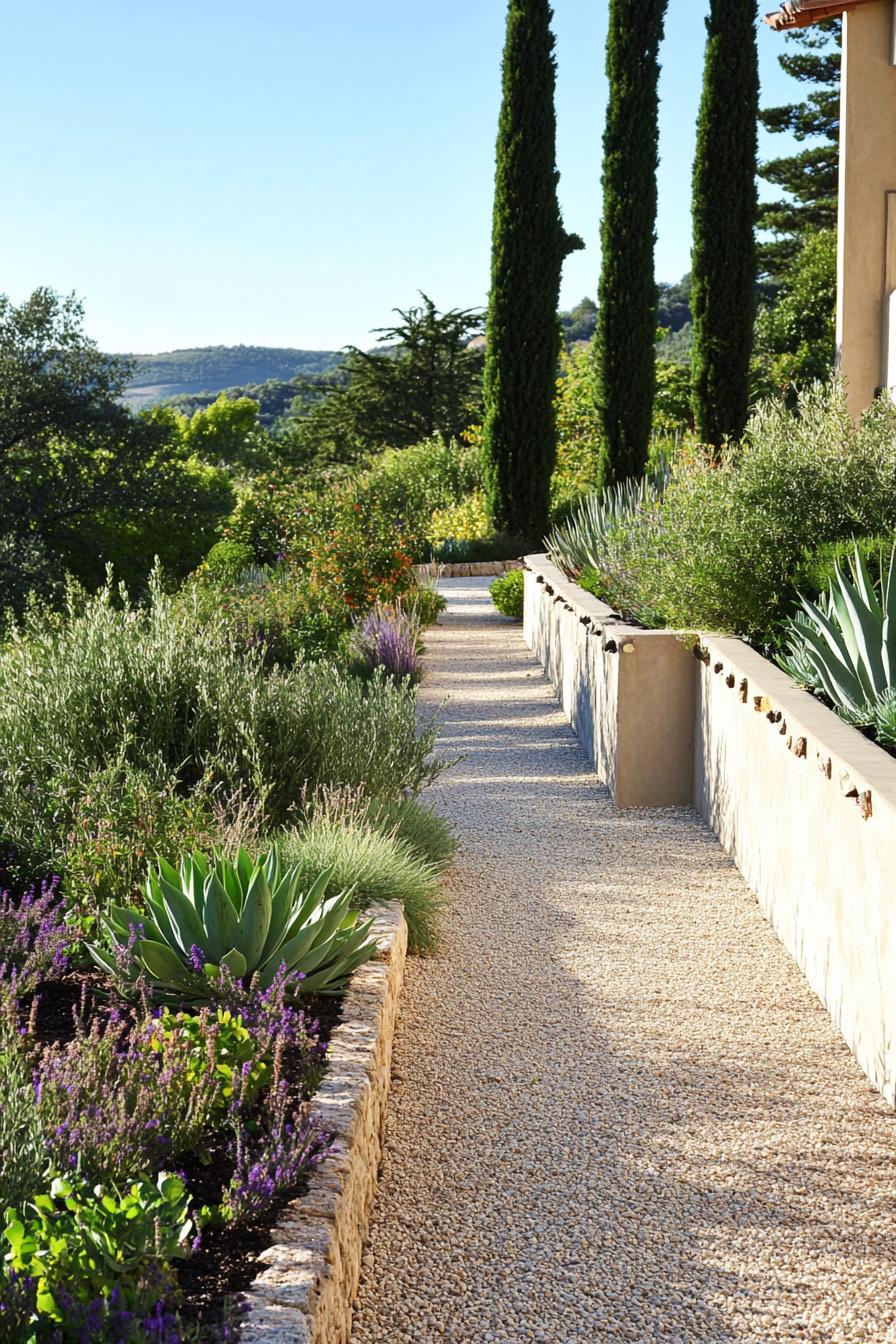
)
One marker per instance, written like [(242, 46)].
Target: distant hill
[(214, 368)]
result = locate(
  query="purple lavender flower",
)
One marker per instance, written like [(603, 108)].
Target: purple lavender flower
[(34, 940), (271, 1161), (388, 637)]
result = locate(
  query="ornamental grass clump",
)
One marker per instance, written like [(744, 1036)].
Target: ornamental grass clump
[(376, 865), (246, 919)]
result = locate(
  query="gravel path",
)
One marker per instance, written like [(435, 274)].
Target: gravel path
[(619, 1113)]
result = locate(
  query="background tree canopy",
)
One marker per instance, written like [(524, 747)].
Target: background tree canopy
[(83, 481), (426, 380)]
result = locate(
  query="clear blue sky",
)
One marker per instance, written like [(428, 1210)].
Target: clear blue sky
[(286, 172)]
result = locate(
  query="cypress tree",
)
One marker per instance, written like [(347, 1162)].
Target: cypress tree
[(725, 207), (627, 295), (529, 245)]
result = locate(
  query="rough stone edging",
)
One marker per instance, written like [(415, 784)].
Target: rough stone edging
[(311, 1271), (468, 569)]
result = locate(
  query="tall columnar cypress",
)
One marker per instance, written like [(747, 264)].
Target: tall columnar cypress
[(724, 261), (625, 341), (529, 245)]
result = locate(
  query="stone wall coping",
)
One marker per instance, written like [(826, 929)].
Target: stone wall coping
[(310, 1273), (467, 569), (852, 755), (586, 605)]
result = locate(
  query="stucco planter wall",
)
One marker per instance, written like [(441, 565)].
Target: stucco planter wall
[(804, 804), (309, 1276), (628, 692)]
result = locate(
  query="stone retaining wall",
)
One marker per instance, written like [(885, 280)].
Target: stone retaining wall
[(803, 803), (310, 1274), (468, 569)]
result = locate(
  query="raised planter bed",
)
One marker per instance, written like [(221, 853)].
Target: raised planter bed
[(804, 804), (310, 1274)]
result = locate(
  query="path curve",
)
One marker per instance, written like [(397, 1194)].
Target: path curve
[(619, 1113)]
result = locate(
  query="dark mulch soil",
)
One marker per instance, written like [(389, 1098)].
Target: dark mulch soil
[(52, 1011), (225, 1265)]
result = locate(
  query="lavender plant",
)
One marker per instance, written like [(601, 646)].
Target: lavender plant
[(272, 1158), (389, 637), (34, 939), (112, 1106)]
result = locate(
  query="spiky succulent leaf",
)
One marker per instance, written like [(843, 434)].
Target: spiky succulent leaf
[(846, 639), (163, 964), (221, 923), (241, 915), (235, 962), (255, 918)]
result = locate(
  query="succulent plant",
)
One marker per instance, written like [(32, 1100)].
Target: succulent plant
[(845, 643), (246, 916), (579, 543)]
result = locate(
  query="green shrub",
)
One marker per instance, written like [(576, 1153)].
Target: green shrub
[(818, 567), (508, 592), (415, 483), (276, 612), (424, 603), (721, 550), (146, 691), (464, 520), (377, 865), (227, 560), (79, 1243)]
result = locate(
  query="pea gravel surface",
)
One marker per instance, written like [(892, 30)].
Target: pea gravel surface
[(619, 1112)]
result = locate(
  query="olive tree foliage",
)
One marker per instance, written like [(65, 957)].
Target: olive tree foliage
[(83, 480)]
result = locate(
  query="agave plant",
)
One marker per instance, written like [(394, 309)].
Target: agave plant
[(845, 643), (580, 542), (246, 917)]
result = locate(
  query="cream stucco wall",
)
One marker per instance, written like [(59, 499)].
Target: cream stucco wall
[(803, 803), (867, 174)]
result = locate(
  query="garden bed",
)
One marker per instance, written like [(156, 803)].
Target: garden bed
[(804, 804), (313, 1267)]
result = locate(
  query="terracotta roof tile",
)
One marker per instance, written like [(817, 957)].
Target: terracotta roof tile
[(802, 13)]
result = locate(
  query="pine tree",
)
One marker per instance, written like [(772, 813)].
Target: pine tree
[(529, 245), (627, 294), (724, 209), (810, 176)]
